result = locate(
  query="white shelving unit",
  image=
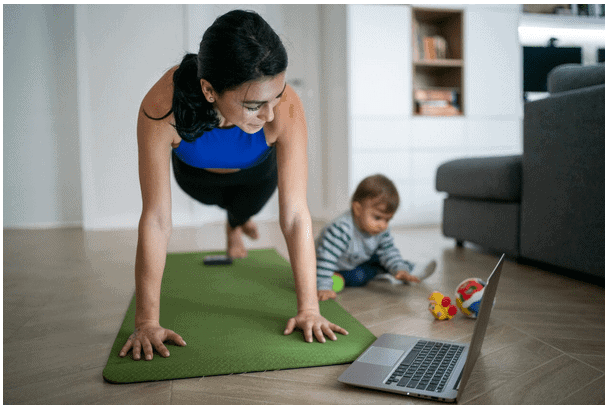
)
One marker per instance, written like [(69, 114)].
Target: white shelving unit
[(559, 21)]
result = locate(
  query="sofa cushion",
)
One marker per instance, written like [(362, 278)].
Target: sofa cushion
[(573, 76), (486, 178)]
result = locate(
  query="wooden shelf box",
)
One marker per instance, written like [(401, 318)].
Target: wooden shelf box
[(437, 63)]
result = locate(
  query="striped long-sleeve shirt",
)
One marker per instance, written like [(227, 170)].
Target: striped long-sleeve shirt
[(343, 246)]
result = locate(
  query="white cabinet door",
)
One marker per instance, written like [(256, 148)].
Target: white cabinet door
[(379, 56), (493, 62)]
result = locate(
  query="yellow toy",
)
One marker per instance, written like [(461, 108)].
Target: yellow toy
[(441, 306)]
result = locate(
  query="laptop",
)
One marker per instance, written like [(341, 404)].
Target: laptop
[(422, 367)]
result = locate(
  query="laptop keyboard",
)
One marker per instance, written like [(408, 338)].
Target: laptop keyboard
[(427, 367)]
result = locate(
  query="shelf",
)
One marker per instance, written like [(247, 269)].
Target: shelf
[(439, 63), (559, 21), (460, 114)]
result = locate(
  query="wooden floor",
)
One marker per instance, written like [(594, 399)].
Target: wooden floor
[(66, 293)]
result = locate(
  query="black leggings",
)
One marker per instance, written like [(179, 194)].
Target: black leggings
[(242, 194)]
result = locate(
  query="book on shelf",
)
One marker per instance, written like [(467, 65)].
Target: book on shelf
[(431, 110), (436, 101), (434, 48), (416, 40), (589, 10), (440, 46), (428, 47), (436, 94)]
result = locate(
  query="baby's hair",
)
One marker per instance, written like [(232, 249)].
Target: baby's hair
[(379, 188)]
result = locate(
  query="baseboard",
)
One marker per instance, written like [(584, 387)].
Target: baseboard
[(45, 225)]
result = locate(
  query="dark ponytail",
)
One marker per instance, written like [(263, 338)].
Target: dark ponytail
[(238, 47)]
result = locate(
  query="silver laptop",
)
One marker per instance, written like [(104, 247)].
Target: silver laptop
[(419, 367)]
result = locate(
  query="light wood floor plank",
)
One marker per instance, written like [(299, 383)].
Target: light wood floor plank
[(592, 393), (550, 383)]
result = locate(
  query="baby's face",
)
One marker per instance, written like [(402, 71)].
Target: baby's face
[(371, 217)]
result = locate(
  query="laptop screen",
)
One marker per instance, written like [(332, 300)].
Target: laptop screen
[(482, 322)]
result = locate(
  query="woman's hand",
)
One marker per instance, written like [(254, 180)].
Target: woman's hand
[(312, 322), (147, 337)]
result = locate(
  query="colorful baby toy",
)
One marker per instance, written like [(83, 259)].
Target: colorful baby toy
[(469, 295), (441, 306), (338, 283)]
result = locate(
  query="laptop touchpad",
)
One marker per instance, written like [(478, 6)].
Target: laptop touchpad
[(381, 356)]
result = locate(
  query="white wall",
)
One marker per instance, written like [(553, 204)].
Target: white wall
[(121, 52), (42, 185), (335, 94)]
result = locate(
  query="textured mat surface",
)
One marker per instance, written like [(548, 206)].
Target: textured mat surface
[(233, 319)]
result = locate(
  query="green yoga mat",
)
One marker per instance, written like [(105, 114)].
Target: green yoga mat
[(233, 319)]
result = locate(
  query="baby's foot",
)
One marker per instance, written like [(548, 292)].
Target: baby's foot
[(235, 245), (424, 270)]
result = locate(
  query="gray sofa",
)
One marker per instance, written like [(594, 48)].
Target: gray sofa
[(546, 205)]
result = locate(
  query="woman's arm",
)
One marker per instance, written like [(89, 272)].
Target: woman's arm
[(295, 219), (154, 147), (155, 224)]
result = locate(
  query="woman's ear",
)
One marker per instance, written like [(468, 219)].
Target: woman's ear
[(208, 90)]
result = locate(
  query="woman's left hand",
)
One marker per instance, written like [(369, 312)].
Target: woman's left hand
[(311, 322)]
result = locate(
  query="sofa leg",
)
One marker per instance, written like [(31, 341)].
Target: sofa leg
[(459, 243)]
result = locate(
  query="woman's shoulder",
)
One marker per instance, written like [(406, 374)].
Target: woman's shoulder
[(290, 105), (158, 100), (288, 112)]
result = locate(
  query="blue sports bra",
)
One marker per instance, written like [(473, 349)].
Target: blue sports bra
[(228, 148)]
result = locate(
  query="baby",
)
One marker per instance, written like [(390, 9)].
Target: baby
[(357, 246)]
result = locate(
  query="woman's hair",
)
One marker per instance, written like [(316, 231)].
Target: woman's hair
[(238, 47), (380, 189)]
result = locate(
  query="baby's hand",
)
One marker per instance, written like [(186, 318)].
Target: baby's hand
[(406, 277), (326, 294)]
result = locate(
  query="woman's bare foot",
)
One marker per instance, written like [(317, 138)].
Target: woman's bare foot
[(235, 245), (250, 229)]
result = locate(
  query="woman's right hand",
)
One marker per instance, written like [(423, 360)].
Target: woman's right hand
[(147, 337)]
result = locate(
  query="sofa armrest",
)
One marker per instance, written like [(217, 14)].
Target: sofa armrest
[(486, 178)]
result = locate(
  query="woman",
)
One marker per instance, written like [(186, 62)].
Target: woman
[(233, 131)]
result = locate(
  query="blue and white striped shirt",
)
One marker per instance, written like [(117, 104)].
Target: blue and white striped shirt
[(343, 246)]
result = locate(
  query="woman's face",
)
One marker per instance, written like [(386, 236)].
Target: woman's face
[(248, 106)]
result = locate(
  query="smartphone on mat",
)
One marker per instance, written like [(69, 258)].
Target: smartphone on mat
[(217, 260)]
